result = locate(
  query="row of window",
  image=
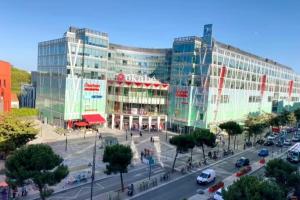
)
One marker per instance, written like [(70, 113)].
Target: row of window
[(223, 99), (254, 99)]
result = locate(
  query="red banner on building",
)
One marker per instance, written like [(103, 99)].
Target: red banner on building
[(263, 84), (91, 87), (182, 93), (290, 90)]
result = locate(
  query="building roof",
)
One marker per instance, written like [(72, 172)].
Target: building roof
[(145, 50), (267, 60)]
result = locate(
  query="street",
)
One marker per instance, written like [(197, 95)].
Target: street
[(187, 186)]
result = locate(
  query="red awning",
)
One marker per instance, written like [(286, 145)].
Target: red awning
[(94, 119), (82, 124)]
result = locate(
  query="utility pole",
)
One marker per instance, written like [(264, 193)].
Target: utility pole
[(93, 167)]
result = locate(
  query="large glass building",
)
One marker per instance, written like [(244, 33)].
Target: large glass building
[(73, 71), (212, 82), (209, 81)]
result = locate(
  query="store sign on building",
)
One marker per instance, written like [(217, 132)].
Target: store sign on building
[(135, 78), (182, 93), (91, 87)]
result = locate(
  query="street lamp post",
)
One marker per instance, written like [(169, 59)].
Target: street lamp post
[(66, 147), (93, 167)]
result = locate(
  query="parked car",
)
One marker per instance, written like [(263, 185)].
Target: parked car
[(272, 137), (218, 195), (263, 153), (279, 143), (207, 176), (269, 143), (296, 138), (260, 141), (242, 162), (287, 142)]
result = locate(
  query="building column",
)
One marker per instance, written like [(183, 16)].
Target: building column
[(113, 121), (166, 124), (140, 122), (130, 122), (121, 122), (149, 121), (158, 123)]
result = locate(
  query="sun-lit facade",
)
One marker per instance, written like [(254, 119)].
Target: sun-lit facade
[(208, 81), (212, 82)]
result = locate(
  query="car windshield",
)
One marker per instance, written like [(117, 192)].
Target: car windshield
[(204, 175)]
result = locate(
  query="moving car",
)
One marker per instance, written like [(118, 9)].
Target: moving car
[(207, 176), (218, 195), (293, 154), (287, 142), (242, 162), (263, 153), (269, 143)]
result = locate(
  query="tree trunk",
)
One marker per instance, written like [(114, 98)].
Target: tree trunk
[(191, 155), (234, 142), (249, 137), (228, 141), (42, 193), (122, 184), (202, 146), (173, 166)]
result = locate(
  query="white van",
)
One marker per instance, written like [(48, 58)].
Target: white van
[(207, 176)]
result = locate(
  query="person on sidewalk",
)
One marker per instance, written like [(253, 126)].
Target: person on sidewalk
[(130, 134), (141, 133)]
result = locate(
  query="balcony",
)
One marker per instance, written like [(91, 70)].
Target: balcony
[(139, 100)]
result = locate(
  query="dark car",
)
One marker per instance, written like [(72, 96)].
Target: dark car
[(279, 143), (263, 153), (260, 141), (269, 143), (242, 162)]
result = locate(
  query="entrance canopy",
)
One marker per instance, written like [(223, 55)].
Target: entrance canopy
[(81, 124), (94, 119)]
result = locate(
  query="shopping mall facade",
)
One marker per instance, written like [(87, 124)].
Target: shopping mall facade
[(198, 82)]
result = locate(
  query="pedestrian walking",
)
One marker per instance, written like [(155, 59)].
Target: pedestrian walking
[(141, 133), (126, 136), (131, 134), (151, 139)]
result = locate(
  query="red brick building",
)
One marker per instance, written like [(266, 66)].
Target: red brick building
[(5, 86)]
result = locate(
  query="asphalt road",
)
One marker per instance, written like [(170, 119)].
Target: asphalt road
[(187, 186)]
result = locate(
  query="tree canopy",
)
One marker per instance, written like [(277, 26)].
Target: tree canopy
[(232, 128), (284, 173), (252, 188), (15, 133), (37, 162), (118, 158), (18, 77), (204, 137)]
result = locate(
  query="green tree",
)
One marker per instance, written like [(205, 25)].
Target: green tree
[(204, 137), (297, 114), (15, 133), (252, 188), (255, 125), (291, 119), (232, 128), (118, 158), (37, 162), (285, 174), (183, 143)]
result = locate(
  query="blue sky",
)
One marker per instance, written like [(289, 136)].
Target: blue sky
[(269, 28)]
